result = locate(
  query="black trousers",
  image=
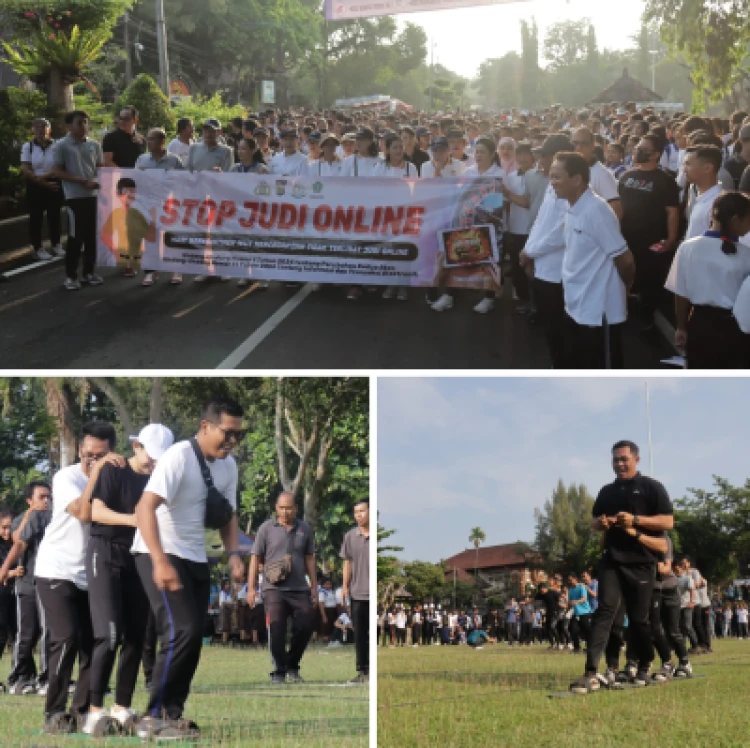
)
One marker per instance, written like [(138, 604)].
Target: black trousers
[(400, 636), (66, 610), (686, 626), (41, 201), (81, 236), (361, 621), (512, 632), (550, 627), (32, 629), (7, 616), (149, 646), (527, 633), (616, 638), (651, 271), (280, 606), (706, 619), (633, 584), (118, 603), (514, 244), (563, 630), (416, 633), (179, 624), (714, 340), (580, 630), (589, 347), (665, 624), (550, 309)]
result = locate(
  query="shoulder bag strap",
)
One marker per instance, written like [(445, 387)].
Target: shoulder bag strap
[(207, 479), (290, 540)]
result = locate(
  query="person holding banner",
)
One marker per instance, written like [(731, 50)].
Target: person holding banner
[(441, 164), (290, 162), (329, 164)]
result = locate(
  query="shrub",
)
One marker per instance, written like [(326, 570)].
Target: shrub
[(154, 109), (17, 108), (200, 109)]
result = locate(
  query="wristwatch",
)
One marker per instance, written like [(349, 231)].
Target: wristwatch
[(638, 534), (635, 520)]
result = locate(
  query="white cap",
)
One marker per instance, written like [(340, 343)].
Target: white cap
[(155, 439)]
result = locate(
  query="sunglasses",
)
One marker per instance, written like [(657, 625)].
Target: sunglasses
[(231, 434)]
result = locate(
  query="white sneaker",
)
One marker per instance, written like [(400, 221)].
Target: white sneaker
[(267, 284), (200, 279), (444, 303), (476, 649), (71, 284), (93, 279), (403, 293), (570, 646), (58, 250), (243, 282), (92, 719), (389, 292), (42, 255), (224, 279), (484, 306), (122, 715), (42, 690)]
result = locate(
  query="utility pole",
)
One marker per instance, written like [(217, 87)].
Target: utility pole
[(650, 449), (128, 61), (432, 69), (161, 43)]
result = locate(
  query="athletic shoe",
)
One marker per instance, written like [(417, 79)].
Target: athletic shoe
[(71, 284), (476, 649), (72, 687), (315, 286), (561, 646), (402, 294), (277, 680), (42, 255), (585, 684), (570, 646), (62, 723), (28, 689), (664, 673), (263, 285), (642, 677), (335, 643), (293, 676), (93, 279), (360, 679), (353, 293), (444, 303), (389, 292), (58, 251), (129, 272), (608, 679), (484, 306), (92, 720), (684, 670), (17, 688), (243, 282), (629, 671), (41, 689), (148, 279), (176, 279), (200, 279), (126, 717)]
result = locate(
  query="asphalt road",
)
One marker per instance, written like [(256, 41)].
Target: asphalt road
[(122, 325)]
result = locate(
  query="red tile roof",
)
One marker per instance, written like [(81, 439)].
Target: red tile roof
[(493, 556)]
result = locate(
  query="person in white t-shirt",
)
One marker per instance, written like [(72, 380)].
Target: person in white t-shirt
[(327, 608), (180, 146), (343, 629), (442, 164), (601, 179), (290, 162), (597, 269), (702, 164), (170, 552), (60, 574), (328, 164)]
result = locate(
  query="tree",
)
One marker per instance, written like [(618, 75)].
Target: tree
[(499, 81), (477, 537), (566, 42), (423, 580), (713, 37), (530, 94), (592, 51), (387, 565), (153, 106)]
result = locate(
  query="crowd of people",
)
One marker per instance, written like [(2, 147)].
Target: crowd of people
[(607, 210), (111, 558), (641, 598)]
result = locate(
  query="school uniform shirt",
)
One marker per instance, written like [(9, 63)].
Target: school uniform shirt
[(62, 552), (700, 212), (495, 171), (546, 242), (225, 598), (254, 168), (344, 620), (603, 183), (289, 166), (704, 275), (177, 478), (356, 166), (400, 620), (179, 149), (327, 597), (670, 158), (455, 168), (519, 221), (40, 156), (741, 308), (322, 168), (592, 286), (384, 169), (416, 618)]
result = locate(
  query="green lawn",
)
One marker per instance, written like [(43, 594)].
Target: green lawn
[(235, 706), (454, 696)]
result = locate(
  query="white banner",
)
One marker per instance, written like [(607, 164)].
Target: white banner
[(339, 10), (401, 232)]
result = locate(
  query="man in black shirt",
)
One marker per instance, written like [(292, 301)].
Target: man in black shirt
[(551, 600), (119, 604), (650, 222), (7, 598), (123, 146), (634, 512), (412, 151)]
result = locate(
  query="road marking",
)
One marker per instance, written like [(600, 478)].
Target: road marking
[(23, 300), (26, 268), (664, 326), (94, 303), (191, 309), (234, 359), (243, 294)]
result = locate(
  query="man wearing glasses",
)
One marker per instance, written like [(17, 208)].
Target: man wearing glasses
[(170, 552), (123, 146)]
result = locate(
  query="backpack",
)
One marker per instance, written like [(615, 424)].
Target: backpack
[(735, 170)]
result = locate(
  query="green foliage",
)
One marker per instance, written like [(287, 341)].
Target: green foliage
[(153, 106), (26, 16), (387, 564), (424, 580), (101, 116), (17, 108), (200, 108), (566, 42)]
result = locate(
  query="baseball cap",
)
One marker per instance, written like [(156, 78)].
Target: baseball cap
[(155, 439), (330, 138), (440, 142), (422, 131), (288, 133), (315, 136), (745, 132), (365, 132), (456, 134), (212, 123), (554, 144), (349, 137)]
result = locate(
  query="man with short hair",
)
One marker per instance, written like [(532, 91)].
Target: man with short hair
[(286, 549), (77, 158), (210, 154), (180, 145), (157, 156), (355, 551), (702, 164), (290, 162), (511, 614), (412, 151), (170, 555), (733, 169), (600, 178), (123, 146)]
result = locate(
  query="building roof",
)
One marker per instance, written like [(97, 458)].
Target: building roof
[(626, 89), (493, 556)]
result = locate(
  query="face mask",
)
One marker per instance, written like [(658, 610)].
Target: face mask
[(642, 157)]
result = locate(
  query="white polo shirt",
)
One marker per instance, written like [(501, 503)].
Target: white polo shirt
[(495, 171), (327, 597), (700, 213), (706, 276), (546, 242), (592, 286), (741, 309), (179, 149), (178, 480), (519, 221), (289, 166), (41, 159), (385, 170), (455, 168), (321, 168), (603, 182), (62, 552), (356, 166)]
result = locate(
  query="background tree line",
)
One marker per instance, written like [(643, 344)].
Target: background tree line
[(307, 435)]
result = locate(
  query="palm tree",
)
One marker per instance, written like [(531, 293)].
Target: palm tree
[(477, 537)]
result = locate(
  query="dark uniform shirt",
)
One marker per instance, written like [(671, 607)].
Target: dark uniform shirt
[(125, 148), (32, 535), (271, 544), (356, 550), (120, 489), (643, 496)]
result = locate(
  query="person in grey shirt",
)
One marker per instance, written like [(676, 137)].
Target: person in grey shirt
[(210, 154), (296, 596), (356, 554), (77, 159), (157, 156)]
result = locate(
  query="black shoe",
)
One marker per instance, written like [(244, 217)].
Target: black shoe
[(361, 679), (62, 723), (585, 684), (642, 678), (277, 679), (293, 676)]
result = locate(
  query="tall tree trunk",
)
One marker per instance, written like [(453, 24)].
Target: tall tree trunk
[(59, 93), (278, 437), (111, 391), (60, 408), (157, 389), (312, 494)]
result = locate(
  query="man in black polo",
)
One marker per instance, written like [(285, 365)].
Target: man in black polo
[(632, 507), (286, 549), (123, 146), (356, 554)]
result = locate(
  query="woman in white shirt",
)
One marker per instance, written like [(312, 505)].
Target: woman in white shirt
[(396, 166), (441, 164), (328, 164), (401, 628), (707, 274)]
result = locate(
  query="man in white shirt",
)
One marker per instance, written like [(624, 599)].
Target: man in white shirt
[(180, 145), (597, 269), (441, 164), (290, 162), (171, 556), (61, 576), (601, 180), (702, 164)]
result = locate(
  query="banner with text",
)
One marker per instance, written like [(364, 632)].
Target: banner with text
[(400, 232), (339, 10)]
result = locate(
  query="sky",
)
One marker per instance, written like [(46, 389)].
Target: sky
[(456, 453), (466, 37)]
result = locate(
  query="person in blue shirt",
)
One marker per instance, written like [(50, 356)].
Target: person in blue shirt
[(592, 587), (477, 638), (578, 599), (511, 613)]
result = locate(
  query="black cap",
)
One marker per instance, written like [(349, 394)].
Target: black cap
[(422, 131), (315, 136), (554, 144), (213, 123), (456, 134), (365, 132), (440, 142), (260, 131)]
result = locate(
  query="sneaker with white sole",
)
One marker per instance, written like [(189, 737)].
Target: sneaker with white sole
[(93, 279), (484, 306), (41, 689), (642, 677), (585, 684), (403, 294), (200, 279), (92, 720), (58, 250), (389, 292), (683, 670), (444, 303), (664, 673), (242, 282), (71, 284), (148, 279), (28, 689), (42, 255)]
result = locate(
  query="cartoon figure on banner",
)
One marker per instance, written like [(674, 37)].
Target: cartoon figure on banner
[(128, 225), (469, 255)]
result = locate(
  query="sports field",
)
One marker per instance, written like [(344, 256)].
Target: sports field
[(454, 696), (235, 706)]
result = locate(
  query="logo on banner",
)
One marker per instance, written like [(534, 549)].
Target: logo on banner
[(317, 189), (263, 189), (298, 191)]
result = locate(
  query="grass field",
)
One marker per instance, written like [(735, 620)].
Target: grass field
[(235, 706), (454, 696)]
